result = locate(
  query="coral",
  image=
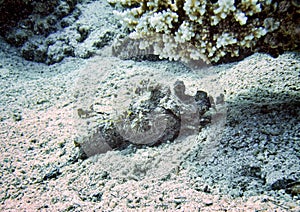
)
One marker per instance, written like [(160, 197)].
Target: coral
[(213, 31)]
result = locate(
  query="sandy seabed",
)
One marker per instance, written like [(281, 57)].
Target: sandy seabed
[(244, 160), (39, 123)]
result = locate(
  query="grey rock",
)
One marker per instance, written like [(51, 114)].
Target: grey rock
[(56, 52), (17, 37), (103, 39)]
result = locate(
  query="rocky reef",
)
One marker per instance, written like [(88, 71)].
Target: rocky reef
[(27, 25), (214, 31), (49, 31), (13, 11)]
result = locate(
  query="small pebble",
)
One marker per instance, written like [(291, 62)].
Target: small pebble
[(207, 202)]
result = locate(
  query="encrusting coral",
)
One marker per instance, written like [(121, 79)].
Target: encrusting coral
[(213, 31)]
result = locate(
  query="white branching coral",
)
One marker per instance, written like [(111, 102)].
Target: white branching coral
[(240, 17), (198, 29), (161, 21), (250, 7), (225, 39), (195, 9), (185, 32), (221, 10)]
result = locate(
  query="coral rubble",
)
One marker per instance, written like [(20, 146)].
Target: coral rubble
[(213, 31)]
